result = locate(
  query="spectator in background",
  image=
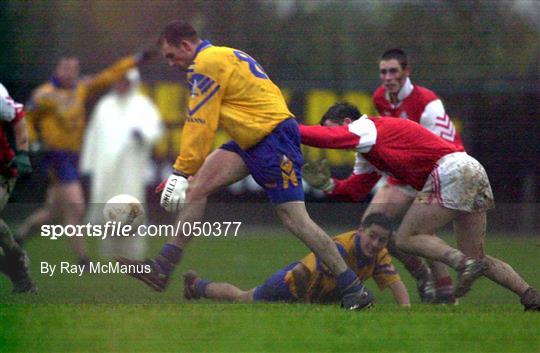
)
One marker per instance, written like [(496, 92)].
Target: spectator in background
[(57, 115), (116, 153), (14, 162)]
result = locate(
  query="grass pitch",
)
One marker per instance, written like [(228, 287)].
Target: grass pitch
[(112, 313)]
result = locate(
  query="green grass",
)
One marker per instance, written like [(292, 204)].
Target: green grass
[(64, 316)]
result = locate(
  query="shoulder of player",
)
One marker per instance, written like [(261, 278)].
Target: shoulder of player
[(45, 87), (424, 94), (43, 90), (379, 93), (343, 238), (212, 57), (381, 255)]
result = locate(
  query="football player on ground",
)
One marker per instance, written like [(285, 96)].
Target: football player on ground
[(452, 187), (229, 88), (392, 199), (14, 162), (57, 115), (308, 280)]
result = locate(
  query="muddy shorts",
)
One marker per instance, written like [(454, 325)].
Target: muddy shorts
[(458, 182)]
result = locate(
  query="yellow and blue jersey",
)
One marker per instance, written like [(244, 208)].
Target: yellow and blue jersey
[(58, 115), (228, 89), (317, 284)]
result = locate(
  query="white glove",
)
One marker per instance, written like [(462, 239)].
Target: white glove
[(7, 105), (173, 195)]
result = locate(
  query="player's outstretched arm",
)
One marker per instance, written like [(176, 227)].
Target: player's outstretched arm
[(335, 137), (352, 189), (399, 291)]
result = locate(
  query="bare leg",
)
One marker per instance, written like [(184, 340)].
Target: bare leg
[(43, 215), (220, 168), (416, 233), (70, 198), (196, 287), (470, 229), (439, 269), (226, 291), (390, 201), (296, 219)]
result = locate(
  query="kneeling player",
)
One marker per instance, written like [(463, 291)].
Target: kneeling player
[(308, 280)]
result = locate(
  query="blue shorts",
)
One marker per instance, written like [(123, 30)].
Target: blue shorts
[(276, 162), (61, 166), (274, 289)]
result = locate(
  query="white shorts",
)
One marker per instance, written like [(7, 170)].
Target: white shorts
[(458, 182)]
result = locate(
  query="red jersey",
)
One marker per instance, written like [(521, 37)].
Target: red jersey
[(397, 147), (7, 142), (420, 105)]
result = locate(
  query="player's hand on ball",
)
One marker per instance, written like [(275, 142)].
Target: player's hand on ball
[(173, 192), (317, 174)]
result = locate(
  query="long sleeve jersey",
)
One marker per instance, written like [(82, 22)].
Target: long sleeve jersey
[(228, 89), (385, 145)]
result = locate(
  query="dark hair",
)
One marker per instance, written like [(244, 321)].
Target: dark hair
[(339, 111), (378, 219), (176, 31), (398, 54)]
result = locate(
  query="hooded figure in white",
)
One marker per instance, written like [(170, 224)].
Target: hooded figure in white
[(118, 142)]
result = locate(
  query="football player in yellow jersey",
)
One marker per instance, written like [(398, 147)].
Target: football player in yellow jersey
[(308, 280), (230, 89), (57, 114)]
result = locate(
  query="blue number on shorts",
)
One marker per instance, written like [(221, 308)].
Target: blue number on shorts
[(254, 66)]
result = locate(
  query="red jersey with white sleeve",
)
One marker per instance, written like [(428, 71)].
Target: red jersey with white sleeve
[(7, 140), (386, 145), (420, 105)]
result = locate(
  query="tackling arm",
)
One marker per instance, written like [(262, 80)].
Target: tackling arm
[(335, 137), (355, 188)]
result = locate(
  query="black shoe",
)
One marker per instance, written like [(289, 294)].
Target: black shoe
[(531, 300), (472, 270), (156, 279), (426, 290), (359, 300), (449, 299)]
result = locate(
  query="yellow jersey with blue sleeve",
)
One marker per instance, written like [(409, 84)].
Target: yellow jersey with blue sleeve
[(58, 115), (228, 89), (320, 284)]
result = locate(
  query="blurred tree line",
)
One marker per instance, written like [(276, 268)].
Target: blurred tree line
[(464, 46)]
